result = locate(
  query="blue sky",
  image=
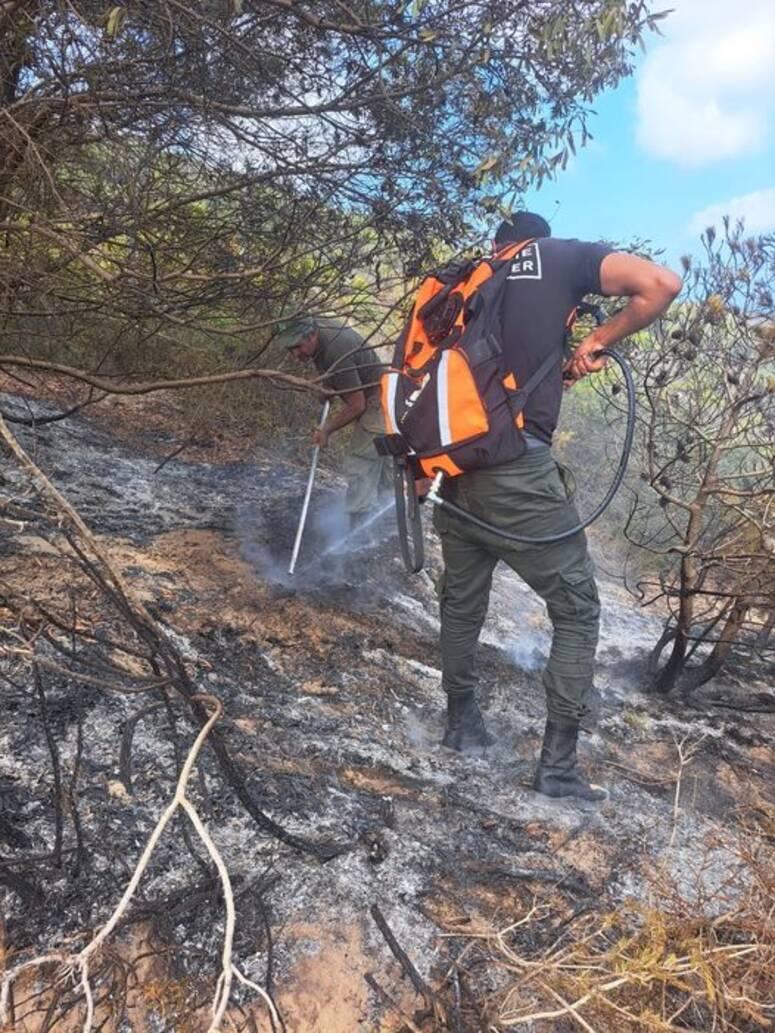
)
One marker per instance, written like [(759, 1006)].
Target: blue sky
[(689, 137)]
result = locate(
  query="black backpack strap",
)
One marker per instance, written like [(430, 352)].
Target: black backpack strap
[(518, 399)]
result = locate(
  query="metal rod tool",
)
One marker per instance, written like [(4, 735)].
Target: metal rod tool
[(308, 492)]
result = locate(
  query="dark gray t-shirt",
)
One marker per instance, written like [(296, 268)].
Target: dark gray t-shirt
[(353, 365), (546, 281)]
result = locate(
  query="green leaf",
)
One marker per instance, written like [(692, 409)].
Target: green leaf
[(486, 164), (652, 20), (114, 21), (609, 24)]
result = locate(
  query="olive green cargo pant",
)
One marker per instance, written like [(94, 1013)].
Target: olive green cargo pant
[(525, 497), (369, 476)]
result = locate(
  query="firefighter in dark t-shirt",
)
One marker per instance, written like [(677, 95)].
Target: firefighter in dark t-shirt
[(528, 497)]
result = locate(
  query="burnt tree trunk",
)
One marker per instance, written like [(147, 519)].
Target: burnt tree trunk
[(695, 676), (666, 676)]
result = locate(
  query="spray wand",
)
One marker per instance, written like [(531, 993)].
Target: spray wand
[(308, 492)]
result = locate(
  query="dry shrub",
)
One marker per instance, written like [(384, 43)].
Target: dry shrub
[(669, 964)]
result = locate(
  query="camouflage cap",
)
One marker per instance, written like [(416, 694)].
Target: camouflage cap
[(292, 330)]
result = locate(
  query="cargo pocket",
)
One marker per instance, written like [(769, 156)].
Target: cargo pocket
[(547, 482), (568, 481), (580, 591)]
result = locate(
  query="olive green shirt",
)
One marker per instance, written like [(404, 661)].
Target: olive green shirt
[(352, 364)]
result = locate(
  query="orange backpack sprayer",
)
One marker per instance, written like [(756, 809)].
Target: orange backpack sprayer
[(450, 405)]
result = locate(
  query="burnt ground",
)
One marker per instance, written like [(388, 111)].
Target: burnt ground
[(331, 688)]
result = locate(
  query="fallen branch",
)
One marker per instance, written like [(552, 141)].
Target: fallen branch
[(388, 1000), (110, 387), (125, 753), (42, 421), (431, 999), (79, 965), (105, 575)]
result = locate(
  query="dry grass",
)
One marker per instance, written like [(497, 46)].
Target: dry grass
[(667, 965)]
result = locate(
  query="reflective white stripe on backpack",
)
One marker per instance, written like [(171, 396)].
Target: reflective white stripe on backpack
[(390, 409), (442, 399)]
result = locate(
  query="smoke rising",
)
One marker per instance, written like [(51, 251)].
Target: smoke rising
[(266, 539), (530, 651)]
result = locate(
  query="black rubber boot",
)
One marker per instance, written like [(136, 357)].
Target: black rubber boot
[(558, 770), (465, 724)]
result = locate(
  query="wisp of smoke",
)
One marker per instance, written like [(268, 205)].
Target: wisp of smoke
[(530, 651), (358, 534), (266, 539)]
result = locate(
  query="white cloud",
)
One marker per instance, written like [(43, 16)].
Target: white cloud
[(707, 91), (757, 209)]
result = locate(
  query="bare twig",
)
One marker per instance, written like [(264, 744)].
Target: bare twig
[(686, 753), (80, 964)]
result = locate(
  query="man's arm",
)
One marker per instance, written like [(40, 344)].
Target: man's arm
[(650, 288), (353, 406)]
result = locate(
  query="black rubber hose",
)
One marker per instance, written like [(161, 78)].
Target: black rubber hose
[(408, 517), (450, 507)]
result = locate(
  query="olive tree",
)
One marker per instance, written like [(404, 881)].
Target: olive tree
[(175, 177)]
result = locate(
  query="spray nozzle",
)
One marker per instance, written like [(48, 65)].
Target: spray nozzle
[(433, 495)]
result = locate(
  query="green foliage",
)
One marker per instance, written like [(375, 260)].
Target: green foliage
[(186, 176), (706, 457)]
